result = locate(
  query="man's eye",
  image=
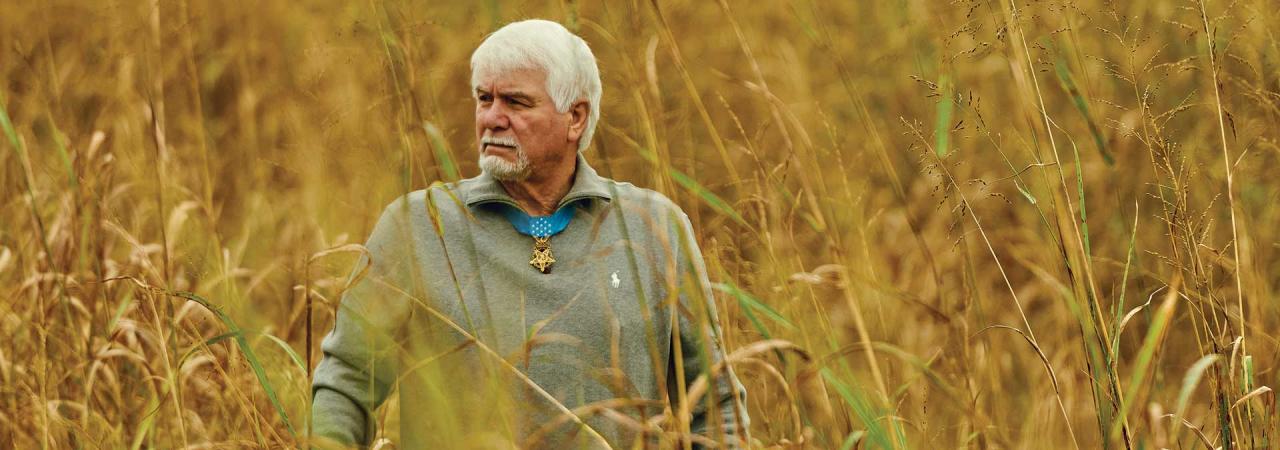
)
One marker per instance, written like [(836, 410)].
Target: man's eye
[(484, 98)]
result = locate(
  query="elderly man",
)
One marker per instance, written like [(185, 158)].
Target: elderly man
[(538, 304)]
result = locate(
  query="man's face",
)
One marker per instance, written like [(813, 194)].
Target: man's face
[(517, 126)]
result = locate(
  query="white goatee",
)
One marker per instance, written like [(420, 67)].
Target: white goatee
[(500, 168)]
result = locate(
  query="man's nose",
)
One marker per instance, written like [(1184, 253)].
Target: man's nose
[(494, 117)]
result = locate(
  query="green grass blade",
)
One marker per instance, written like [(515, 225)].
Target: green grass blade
[(124, 305), (755, 322), (750, 303), (293, 355), (1025, 193), (875, 433), (249, 354), (852, 440), (207, 342), (1077, 99), (1124, 282), (440, 147), (1084, 218), (7, 126), (707, 196), (942, 128), (950, 392), (144, 427), (1248, 372), (1191, 380), (1160, 323)]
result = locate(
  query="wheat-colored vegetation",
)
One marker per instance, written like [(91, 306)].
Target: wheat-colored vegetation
[(992, 224)]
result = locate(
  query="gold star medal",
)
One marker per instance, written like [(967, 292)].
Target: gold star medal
[(542, 258), (540, 229)]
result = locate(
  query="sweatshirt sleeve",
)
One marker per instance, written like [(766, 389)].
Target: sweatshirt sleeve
[(359, 365), (721, 413)]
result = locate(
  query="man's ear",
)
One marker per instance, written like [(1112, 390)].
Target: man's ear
[(578, 114)]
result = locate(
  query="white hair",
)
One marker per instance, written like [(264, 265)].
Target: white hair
[(542, 44)]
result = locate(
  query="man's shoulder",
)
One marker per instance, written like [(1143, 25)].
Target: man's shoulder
[(630, 194), (443, 199)]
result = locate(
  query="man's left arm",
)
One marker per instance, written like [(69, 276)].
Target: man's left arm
[(721, 413)]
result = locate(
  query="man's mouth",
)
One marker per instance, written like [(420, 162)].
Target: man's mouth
[(508, 144)]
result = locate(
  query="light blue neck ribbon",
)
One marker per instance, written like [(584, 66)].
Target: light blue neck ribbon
[(539, 226)]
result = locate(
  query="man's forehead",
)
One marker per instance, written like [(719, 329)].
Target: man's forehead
[(528, 81)]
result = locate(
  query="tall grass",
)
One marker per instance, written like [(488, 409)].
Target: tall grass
[(994, 224)]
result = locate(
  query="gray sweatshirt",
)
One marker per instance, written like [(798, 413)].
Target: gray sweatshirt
[(486, 351)]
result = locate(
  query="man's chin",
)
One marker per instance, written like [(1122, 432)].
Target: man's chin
[(502, 169)]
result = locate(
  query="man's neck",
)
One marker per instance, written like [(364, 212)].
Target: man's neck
[(539, 195)]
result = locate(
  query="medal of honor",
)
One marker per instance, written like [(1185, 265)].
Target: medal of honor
[(542, 258), (541, 229)]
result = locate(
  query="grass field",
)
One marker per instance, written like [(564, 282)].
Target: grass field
[(932, 224)]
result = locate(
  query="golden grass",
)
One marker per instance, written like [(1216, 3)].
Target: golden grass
[(931, 224)]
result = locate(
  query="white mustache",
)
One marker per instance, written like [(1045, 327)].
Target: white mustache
[(503, 141)]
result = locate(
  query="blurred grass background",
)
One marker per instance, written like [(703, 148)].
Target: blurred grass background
[(986, 224)]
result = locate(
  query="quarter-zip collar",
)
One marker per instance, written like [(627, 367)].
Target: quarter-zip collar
[(486, 189)]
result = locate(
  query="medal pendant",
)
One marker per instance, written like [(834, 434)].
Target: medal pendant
[(542, 258)]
